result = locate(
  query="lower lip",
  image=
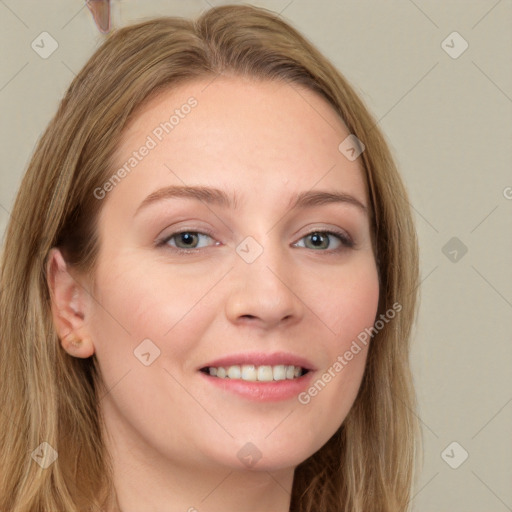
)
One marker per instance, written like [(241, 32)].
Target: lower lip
[(271, 391)]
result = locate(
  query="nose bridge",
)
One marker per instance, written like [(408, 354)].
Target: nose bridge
[(264, 256), (263, 287)]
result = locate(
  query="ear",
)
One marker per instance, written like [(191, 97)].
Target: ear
[(68, 303)]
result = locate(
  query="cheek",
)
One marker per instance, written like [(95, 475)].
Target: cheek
[(348, 306), (141, 303), (344, 299)]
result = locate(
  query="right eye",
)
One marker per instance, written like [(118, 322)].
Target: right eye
[(184, 241)]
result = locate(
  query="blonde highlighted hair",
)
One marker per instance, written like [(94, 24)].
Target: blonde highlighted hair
[(369, 465)]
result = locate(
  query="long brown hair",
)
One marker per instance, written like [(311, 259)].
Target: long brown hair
[(48, 396)]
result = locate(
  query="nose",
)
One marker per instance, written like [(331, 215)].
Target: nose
[(263, 292)]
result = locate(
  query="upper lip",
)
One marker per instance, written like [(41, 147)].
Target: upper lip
[(260, 359)]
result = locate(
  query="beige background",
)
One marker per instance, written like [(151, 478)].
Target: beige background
[(448, 121)]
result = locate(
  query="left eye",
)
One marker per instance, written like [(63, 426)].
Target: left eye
[(188, 240), (320, 240)]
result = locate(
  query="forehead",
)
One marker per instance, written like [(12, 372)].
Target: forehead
[(253, 136)]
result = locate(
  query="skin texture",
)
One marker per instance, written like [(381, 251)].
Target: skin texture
[(174, 437)]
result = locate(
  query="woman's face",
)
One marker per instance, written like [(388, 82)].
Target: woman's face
[(254, 289)]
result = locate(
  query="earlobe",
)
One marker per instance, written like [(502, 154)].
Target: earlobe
[(77, 347), (68, 301)]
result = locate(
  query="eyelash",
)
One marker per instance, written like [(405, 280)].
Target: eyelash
[(346, 242)]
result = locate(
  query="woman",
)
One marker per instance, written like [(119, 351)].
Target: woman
[(208, 285)]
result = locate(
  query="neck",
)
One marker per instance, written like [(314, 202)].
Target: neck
[(225, 491), (145, 480)]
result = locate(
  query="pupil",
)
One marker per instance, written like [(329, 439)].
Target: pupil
[(316, 239), (187, 236)]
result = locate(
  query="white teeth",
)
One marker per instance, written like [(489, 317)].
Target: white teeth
[(280, 372), (250, 372), (234, 372), (265, 373)]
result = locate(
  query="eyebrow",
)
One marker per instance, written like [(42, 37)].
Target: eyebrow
[(215, 196)]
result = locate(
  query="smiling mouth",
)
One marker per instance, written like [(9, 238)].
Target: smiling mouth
[(253, 373)]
